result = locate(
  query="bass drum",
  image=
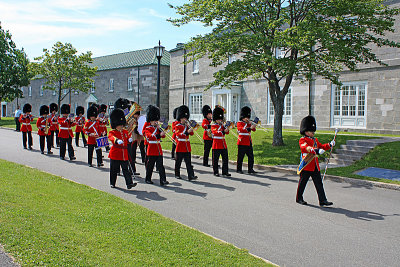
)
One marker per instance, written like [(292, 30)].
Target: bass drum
[(141, 122)]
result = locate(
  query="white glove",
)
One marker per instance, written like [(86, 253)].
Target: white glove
[(130, 139), (120, 142), (320, 151), (332, 143)]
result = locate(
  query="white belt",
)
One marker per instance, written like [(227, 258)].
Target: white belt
[(182, 140), (219, 137), (54, 122), (26, 123), (153, 142), (65, 128), (244, 133)]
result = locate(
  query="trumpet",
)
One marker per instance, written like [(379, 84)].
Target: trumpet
[(257, 123), (165, 128), (192, 124)]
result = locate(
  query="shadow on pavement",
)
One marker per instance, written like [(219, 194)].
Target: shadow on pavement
[(142, 195)]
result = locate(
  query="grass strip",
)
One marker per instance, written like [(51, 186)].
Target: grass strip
[(47, 220)]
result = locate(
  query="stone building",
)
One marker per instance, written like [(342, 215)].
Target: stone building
[(117, 76), (369, 100)]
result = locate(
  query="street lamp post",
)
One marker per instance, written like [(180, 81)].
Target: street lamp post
[(159, 50)]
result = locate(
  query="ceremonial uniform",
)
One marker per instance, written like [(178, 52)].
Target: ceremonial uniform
[(43, 122), (311, 145), (54, 130), (244, 142), (25, 119), (219, 146), (80, 123), (183, 148), (174, 123), (92, 129), (208, 141), (119, 158), (154, 151), (65, 134)]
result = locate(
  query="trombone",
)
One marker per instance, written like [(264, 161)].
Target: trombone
[(257, 123), (192, 124), (230, 125), (165, 128)]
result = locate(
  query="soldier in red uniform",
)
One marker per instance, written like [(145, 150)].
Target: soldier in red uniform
[(103, 119), (54, 124), (43, 124), (26, 128), (154, 153), (219, 146), (244, 142), (92, 129), (80, 123), (66, 122), (309, 144), (174, 123), (183, 149), (208, 141), (118, 155)]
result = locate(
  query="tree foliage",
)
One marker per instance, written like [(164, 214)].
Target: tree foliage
[(320, 37), (62, 68), (13, 68)]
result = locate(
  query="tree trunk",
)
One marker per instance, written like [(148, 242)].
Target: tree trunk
[(1, 106), (278, 108), (59, 96)]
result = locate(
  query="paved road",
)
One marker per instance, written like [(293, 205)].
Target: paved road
[(257, 213)]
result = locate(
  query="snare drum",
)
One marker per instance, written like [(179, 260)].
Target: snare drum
[(102, 141)]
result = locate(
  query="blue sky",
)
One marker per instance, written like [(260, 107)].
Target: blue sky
[(103, 27)]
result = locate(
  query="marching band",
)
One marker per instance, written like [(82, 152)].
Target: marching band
[(130, 130)]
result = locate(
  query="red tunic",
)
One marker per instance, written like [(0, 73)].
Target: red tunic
[(183, 142), (54, 122), (103, 122), (41, 125), (144, 127), (80, 122), (25, 120), (65, 127), (153, 143), (244, 133), (91, 127), (206, 124), (218, 133), (119, 152), (308, 142), (173, 129)]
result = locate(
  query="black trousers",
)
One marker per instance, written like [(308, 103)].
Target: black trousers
[(77, 138), (17, 124), (245, 150), (207, 149), (224, 154), (131, 159), (142, 150), (173, 150), (57, 138), (42, 138), (63, 143), (151, 160), (99, 154), (316, 177), (24, 137), (115, 166), (188, 161)]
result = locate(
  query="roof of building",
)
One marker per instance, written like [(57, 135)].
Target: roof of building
[(130, 59)]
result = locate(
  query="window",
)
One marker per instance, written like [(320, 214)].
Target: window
[(130, 83), (195, 66), (349, 104), (231, 58), (111, 87), (280, 52), (22, 90), (287, 109), (65, 91), (30, 91), (41, 90), (54, 92), (76, 92), (110, 107), (92, 88), (195, 106)]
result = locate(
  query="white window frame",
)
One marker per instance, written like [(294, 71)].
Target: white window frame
[(110, 107), (111, 86), (287, 111), (196, 66), (92, 88), (130, 83), (195, 111), (231, 59), (41, 90), (76, 92), (280, 52), (344, 119), (30, 91), (22, 90), (65, 91), (54, 92)]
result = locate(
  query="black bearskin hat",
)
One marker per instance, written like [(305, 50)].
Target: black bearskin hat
[(174, 113), (103, 108), (183, 112), (43, 110), (122, 103), (27, 108), (308, 124), (218, 113), (245, 112), (53, 107), (79, 110), (117, 117), (65, 109), (92, 112), (152, 113), (96, 106), (206, 110)]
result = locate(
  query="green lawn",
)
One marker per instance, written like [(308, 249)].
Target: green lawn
[(46, 220), (10, 123)]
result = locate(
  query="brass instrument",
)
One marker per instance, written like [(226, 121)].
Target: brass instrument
[(47, 126), (192, 124), (230, 125), (257, 123), (165, 128), (130, 119)]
